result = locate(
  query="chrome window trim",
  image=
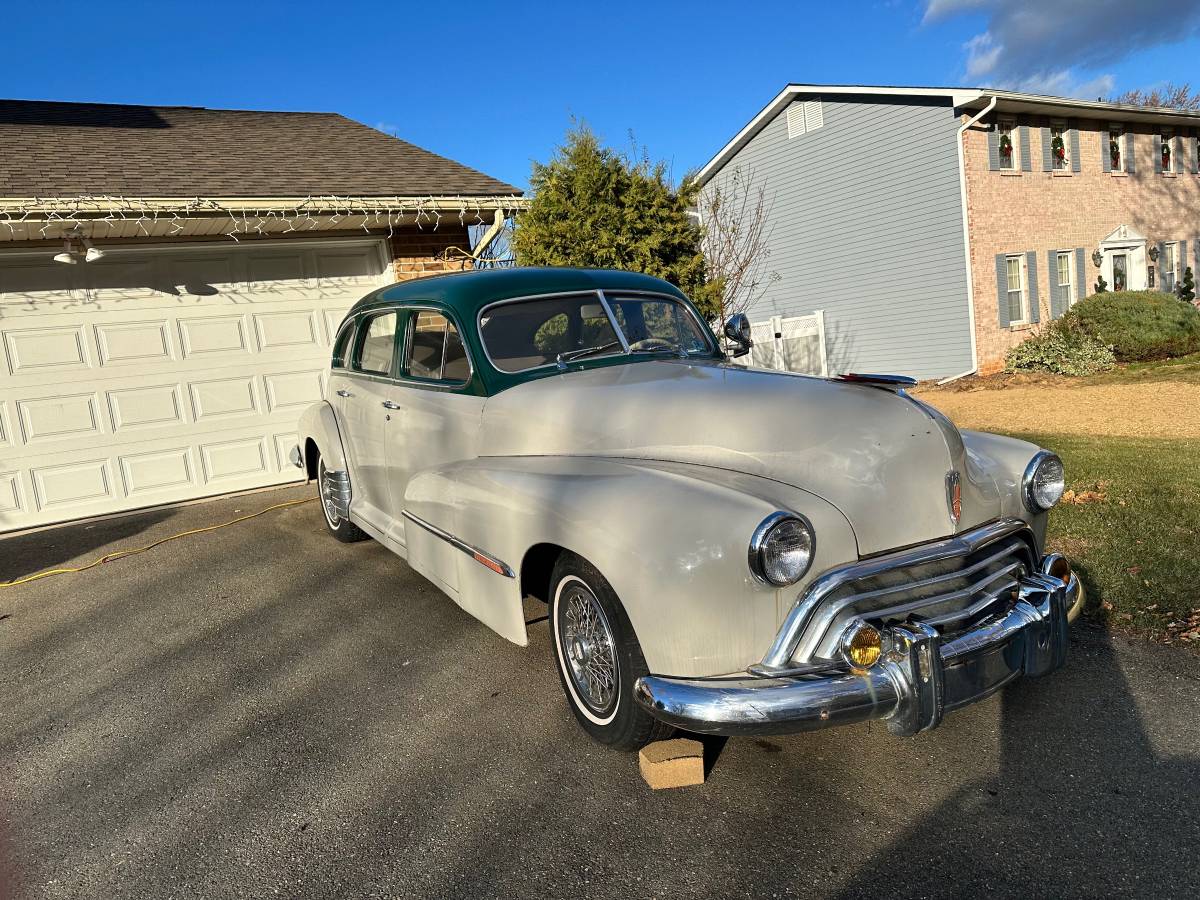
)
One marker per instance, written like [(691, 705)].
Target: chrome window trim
[(787, 640), (1027, 481), (457, 543), (758, 540), (601, 295)]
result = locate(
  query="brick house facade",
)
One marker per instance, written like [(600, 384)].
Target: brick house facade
[(1044, 212), (896, 215)]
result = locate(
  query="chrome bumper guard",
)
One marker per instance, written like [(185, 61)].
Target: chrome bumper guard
[(919, 678)]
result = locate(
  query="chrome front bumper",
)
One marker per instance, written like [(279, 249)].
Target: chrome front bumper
[(920, 677)]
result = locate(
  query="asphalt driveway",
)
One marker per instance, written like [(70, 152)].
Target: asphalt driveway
[(263, 711)]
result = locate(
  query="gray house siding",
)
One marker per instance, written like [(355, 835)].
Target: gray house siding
[(866, 224)]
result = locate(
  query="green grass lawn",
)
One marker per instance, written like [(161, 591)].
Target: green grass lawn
[(1138, 549)]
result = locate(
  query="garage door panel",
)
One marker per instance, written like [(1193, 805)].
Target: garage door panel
[(222, 398), (36, 350), (146, 406), (209, 335), (119, 388), (287, 330), (293, 390), (231, 459), (58, 417), (11, 500), (83, 482), (133, 342), (145, 473)]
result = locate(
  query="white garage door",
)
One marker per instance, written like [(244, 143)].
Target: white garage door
[(160, 374)]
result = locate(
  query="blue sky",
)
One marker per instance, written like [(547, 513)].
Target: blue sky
[(497, 84)]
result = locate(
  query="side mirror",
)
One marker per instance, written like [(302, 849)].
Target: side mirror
[(737, 329)]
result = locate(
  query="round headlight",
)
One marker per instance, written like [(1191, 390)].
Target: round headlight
[(781, 549), (1044, 481)]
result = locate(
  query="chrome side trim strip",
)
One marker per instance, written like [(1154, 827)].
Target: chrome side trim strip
[(787, 639), (486, 560)]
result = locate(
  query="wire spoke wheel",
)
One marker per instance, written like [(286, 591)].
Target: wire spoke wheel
[(325, 485), (589, 648)]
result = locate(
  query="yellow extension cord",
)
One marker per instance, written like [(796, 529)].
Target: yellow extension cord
[(121, 554)]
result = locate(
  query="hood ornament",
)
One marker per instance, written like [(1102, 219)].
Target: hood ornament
[(954, 495)]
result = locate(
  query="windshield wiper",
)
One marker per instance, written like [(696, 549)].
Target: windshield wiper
[(674, 351), (567, 355)]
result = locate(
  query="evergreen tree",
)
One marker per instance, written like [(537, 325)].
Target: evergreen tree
[(594, 206), (1101, 284), (1187, 287)]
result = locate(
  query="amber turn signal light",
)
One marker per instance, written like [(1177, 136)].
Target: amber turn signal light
[(862, 645)]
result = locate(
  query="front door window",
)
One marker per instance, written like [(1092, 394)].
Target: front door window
[(1120, 263)]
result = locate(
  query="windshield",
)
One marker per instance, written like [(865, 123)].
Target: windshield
[(527, 334)]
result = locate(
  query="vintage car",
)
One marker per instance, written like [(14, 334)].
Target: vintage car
[(721, 549)]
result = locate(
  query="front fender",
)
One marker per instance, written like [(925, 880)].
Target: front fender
[(1003, 459), (671, 539), (319, 424)]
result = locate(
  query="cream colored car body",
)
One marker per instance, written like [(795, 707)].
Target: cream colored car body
[(657, 472)]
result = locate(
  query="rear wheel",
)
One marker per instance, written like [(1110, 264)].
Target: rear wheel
[(598, 657), (339, 526)]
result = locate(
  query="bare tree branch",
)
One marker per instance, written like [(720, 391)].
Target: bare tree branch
[(735, 219), (1170, 95)]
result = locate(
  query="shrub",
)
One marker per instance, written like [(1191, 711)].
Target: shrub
[(1187, 287), (1138, 324), (1061, 349)]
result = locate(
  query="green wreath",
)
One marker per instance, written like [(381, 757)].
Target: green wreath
[(1058, 148), (1006, 147), (1114, 151)]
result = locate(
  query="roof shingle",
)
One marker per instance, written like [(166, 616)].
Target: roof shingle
[(50, 149)]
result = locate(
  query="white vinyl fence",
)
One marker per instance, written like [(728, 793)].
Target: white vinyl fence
[(794, 344)]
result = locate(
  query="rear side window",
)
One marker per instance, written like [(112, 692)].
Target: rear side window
[(376, 345), (435, 349)]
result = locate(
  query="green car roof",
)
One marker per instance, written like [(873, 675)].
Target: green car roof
[(468, 292), (464, 294)]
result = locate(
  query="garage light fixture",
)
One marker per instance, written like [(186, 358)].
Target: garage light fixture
[(68, 254)]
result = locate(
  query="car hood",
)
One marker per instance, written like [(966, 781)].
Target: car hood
[(881, 458)]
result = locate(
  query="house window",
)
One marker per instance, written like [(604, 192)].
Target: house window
[(1064, 277), (1016, 289), (1167, 149), (1170, 266), (1004, 140), (1058, 146), (1116, 143)]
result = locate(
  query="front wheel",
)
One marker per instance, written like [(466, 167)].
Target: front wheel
[(598, 657), (339, 526)]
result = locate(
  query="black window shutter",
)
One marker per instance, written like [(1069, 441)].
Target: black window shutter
[(1130, 152), (1026, 162), (1002, 288), (1105, 154), (1183, 262), (1047, 163), (1075, 163), (1157, 154), (1031, 270)]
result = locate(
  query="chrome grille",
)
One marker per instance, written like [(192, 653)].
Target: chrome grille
[(952, 585)]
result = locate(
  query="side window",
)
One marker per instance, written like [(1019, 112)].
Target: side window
[(376, 345), (435, 349), (341, 346)]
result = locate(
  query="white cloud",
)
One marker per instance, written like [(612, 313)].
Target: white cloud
[(1045, 45)]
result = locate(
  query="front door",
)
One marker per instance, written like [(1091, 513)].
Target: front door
[(366, 420)]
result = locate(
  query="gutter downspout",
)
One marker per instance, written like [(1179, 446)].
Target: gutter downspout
[(490, 235), (962, 190)]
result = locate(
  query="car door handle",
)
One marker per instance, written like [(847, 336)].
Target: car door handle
[(388, 404), (344, 393)]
